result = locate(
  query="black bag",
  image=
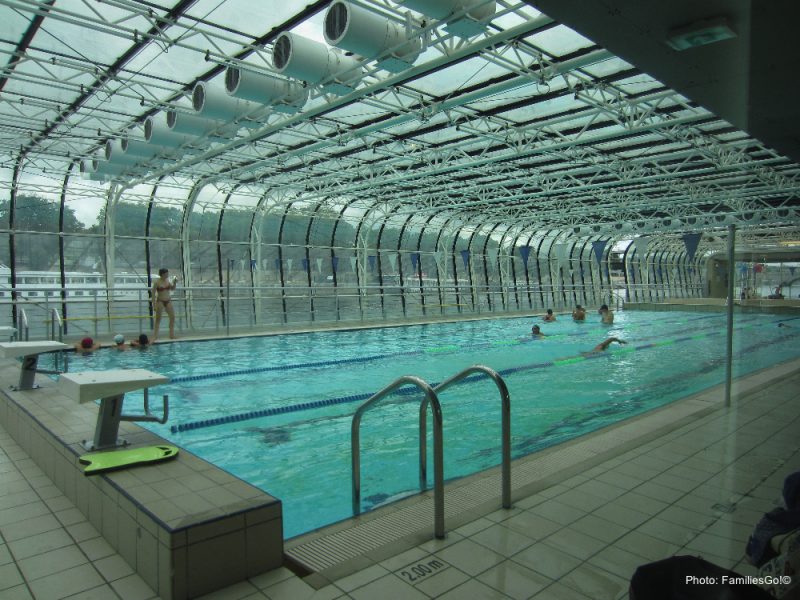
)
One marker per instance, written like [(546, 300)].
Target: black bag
[(691, 578)]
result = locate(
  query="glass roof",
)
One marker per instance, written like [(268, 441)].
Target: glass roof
[(494, 114)]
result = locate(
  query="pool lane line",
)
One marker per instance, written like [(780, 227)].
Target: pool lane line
[(589, 412), (267, 412), (374, 357)]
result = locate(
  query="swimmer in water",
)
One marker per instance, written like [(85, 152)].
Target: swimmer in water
[(602, 346)]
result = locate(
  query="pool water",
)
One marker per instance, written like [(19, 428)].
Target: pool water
[(276, 411)]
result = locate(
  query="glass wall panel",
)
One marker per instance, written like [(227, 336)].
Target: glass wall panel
[(6, 176), (6, 307), (38, 205)]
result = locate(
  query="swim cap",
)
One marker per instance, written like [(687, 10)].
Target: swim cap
[(87, 342), (119, 339)]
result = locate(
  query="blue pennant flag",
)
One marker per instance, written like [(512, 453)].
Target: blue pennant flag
[(414, 261), (691, 240), (252, 264), (335, 263), (304, 262), (599, 247), (277, 264), (465, 257), (371, 260), (524, 252), (791, 270)]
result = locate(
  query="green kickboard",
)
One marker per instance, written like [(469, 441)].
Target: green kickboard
[(119, 459)]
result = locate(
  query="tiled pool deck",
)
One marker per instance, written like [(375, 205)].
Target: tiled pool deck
[(697, 489)]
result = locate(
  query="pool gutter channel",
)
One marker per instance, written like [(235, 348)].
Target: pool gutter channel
[(340, 549)]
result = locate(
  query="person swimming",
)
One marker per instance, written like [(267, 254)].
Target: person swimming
[(579, 314), (549, 316), (602, 346), (536, 332)]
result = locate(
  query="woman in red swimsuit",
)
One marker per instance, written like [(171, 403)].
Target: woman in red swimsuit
[(162, 301)]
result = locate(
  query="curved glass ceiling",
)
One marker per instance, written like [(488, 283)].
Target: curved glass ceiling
[(490, 113)]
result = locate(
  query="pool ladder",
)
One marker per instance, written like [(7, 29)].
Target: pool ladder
[(431, 399)]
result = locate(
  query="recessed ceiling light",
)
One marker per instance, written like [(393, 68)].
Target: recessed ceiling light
[(700, 33)]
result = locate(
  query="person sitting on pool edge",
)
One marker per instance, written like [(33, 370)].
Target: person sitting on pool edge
[(549, 316), (579, 314), (86, 345), (606, 343), (536, 332), (606, 314)]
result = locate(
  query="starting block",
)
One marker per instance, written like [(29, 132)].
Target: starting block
[(29, 351), (109, 387)]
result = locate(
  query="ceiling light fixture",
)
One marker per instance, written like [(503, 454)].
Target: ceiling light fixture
[(700, 33)]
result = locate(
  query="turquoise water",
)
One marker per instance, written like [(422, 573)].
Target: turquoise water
[(276, 411)]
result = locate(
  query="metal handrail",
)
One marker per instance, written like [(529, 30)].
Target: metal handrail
[(60, 322), (56, 320), (22, 320), (505, 400), (438, 446)]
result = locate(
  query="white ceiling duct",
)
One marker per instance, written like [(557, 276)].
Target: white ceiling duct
[(211, 103), (281, 94), (97, 169), (158, 134), (114, 154), (371, 35), (473, 13), (191, 125), (306, 59), (140, 149)]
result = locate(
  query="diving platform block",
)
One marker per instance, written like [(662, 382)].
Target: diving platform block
[(109, 387), (8, 331), (30, 352)]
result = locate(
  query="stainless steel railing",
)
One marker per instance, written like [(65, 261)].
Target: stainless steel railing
[(22, 323), (56, 326), (505, 409), (438, 446)]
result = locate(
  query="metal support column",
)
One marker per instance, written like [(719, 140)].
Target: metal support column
[(729, 339)]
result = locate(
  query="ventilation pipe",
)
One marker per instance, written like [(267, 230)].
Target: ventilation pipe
[(97, 169), (283, 95), (214, 104), (302, 58), (139, 149), (371, 35), (157, 133), (114, 154), (194, 126), (472, 18)]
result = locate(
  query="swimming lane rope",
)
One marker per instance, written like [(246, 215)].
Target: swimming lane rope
[(278, 410), (374, 357)]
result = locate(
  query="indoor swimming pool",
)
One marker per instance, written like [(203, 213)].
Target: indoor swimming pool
[(276, 411)]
